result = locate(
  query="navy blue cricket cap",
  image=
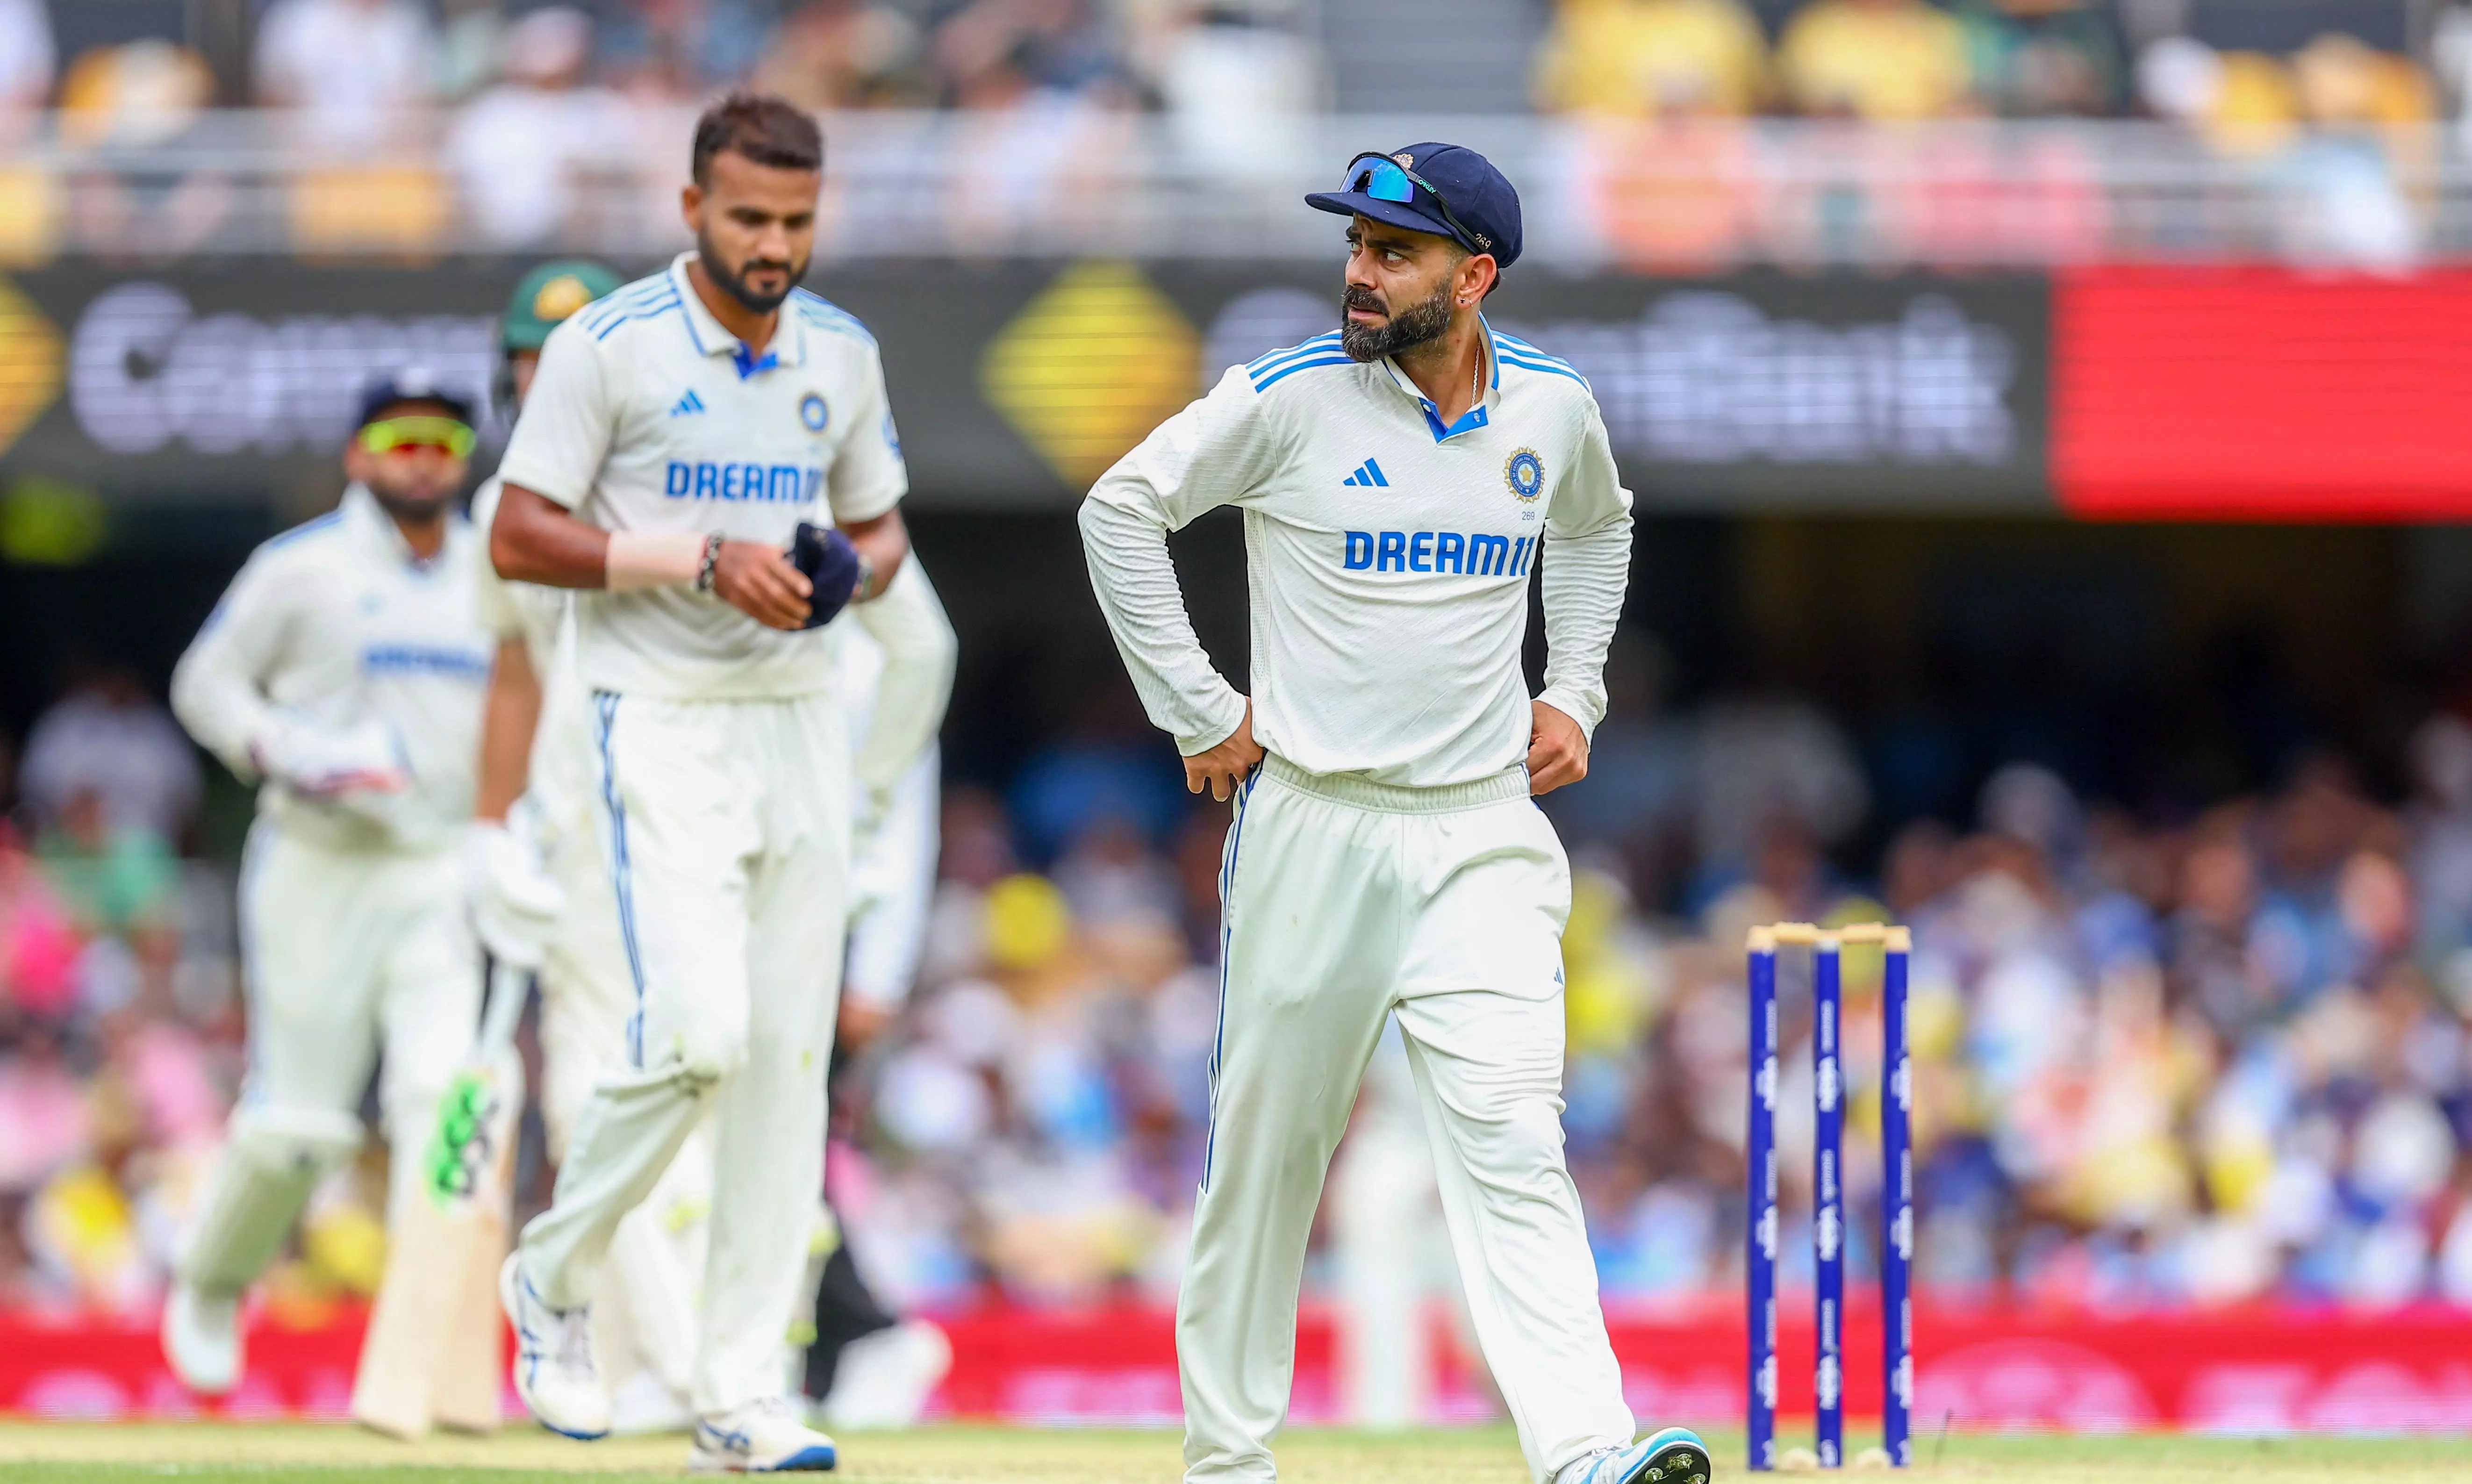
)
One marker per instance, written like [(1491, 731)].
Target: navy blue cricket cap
[(411, 384), (1476, 194)]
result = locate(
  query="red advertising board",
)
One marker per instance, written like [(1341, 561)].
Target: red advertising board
[(2261, 393), (2247, 1370), (2261, 1370)]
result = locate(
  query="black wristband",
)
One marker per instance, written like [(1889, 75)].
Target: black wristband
[(712, 559)]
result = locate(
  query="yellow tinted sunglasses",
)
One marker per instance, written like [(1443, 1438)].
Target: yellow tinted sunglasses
[(390, 435)]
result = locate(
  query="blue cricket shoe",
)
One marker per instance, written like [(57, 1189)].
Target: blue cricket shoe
[(1673, 1455)]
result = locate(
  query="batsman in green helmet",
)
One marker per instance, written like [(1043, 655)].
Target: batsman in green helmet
[(543, 299), (513, 900), (516, 901)]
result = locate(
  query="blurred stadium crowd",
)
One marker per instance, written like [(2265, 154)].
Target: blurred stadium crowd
[(2220, 1055), (407, 123), (348, 62)]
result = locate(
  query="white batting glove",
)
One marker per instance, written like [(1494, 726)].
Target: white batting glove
[(516, 901), (328, 763)]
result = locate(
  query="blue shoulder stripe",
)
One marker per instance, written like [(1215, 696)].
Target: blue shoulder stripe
[(652, 311), (1554, 368), (642, 292), (1537, 362), (1319, 344), (1519, 346), (1313, 347), (823, 313), (599, 324), (326, 523), (817, 307), (627, 302), (650, 304), (809, 299), (641, 288), (1263, 383)]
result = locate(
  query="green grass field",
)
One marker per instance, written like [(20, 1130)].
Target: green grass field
[(295, 1454)]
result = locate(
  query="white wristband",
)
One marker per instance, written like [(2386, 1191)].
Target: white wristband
[(652, 559)]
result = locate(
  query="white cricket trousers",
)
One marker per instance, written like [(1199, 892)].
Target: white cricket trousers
[(726, 828), (588, 989), (643, 1315), (342, 950), (1344, 902)]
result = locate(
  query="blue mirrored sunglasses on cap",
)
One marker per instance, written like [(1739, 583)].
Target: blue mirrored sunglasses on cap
[(1384, 178)]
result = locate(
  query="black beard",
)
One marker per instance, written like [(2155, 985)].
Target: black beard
[(413, 511), (734, 284), (1406, 331)]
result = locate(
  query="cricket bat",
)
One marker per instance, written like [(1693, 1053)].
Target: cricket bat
[(433, 1352)]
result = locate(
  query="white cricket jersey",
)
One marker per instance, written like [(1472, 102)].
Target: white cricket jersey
[(896, 656), (892, 858), (557, 775), (646, 415), (1388, 555), (509, 610), (334, 623)]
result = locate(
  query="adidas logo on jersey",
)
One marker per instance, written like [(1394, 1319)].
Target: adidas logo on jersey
[(688, 405), (1367, 474)]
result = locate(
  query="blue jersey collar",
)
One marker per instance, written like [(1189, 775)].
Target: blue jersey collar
[(1477, 416)]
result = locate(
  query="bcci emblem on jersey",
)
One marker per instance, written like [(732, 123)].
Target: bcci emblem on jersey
[(812, 412), (1524, 474)]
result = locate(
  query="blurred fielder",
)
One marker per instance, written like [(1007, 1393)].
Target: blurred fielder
[(864, 1365), (678, 444), (344, 669), (1398, 477)]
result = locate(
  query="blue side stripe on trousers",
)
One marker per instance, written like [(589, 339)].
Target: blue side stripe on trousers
[(621, 874), (1226, 936)]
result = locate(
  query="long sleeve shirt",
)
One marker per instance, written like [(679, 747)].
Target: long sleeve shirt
[(1389, 556), (895, 658), (897, 654), (338, 624)]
